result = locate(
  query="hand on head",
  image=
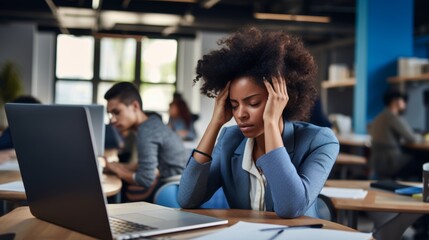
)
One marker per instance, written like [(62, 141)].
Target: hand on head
[(222, 112), (277, 98)]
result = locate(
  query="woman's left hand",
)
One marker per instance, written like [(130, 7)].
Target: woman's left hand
[(277, 99)]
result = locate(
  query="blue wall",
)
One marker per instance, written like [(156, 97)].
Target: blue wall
[(383, 34)]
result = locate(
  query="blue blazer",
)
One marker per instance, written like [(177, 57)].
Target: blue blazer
[(295, 173)]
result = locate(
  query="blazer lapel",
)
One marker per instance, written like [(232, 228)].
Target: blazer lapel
[(241, 177), (289, 138), (269, 205)]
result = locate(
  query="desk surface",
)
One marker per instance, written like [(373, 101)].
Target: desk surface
[(353, 139), (24, 225), (421, 146), (111, 185), (376, 199)]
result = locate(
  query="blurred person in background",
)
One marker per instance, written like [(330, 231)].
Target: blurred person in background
[(389, 130), (7, 151), (181, 119)]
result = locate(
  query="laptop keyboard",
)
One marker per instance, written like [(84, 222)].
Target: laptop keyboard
[(120, 226)]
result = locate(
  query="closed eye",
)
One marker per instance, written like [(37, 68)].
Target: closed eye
[(254, 104)]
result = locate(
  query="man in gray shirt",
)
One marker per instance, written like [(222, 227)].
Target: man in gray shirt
[(160, 152), (388, 132)]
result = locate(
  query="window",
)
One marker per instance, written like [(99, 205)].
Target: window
[(74, 69), (149, 63), (117, 59), (158, 74), (73, 92), (156, 67), (75, 57)]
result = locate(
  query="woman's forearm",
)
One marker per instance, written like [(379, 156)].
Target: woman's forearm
[(273, 136), (207, 142)]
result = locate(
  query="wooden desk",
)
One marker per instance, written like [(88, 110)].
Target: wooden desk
[(111, 185), (345, 160), (376, 199), (355, 149), (395, 212), (25, 226), (353, 139), (421, 146)]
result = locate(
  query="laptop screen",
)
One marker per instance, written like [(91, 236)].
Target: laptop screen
[(55, 148)]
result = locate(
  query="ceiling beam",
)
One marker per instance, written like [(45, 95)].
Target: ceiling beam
[(54, 11)]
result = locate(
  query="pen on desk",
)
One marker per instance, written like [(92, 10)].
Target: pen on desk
[(276, 235), (317, 225)]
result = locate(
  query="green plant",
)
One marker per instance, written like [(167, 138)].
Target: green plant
[(10, 82)]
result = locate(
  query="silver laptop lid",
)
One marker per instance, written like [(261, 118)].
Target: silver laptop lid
[(97, 117), (97, 113), (55, 150)]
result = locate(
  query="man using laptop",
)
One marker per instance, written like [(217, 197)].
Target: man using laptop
[(160, 152)]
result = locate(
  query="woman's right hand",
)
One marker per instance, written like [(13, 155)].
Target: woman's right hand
[(222, 112)]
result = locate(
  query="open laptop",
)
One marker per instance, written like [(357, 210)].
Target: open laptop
[(97, 113), (96, 116), (55, 146)]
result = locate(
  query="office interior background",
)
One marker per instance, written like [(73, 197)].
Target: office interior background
[(72, 51)]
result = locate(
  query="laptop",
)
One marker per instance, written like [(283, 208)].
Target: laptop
[(55, 148), (96, 116)]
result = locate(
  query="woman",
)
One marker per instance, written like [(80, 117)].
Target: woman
[(180, 119), (269, 161)]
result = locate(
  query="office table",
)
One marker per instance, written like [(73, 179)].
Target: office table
[(346, 161), (111, 185), (354, 152), (25, 226), (394, 213), (354, 139), (420, 146)]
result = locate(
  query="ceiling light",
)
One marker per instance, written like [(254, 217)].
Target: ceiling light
[(187, 19), (77, 17), (54, 11), (292, 17), (169, 30), (95, 4), (209, 3), (111, 18)]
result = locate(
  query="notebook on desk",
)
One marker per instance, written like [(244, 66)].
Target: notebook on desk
[(394, 186), (55, 148)]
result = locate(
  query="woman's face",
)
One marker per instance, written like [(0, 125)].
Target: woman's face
[(248, 103), (173, 111)]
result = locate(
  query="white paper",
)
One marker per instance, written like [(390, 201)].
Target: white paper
[(17, 186), (353, 193), (11, 165), (252, 231)]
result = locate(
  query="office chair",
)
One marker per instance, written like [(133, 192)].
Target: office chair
[(217, 201), (166, 196), (325, 208)]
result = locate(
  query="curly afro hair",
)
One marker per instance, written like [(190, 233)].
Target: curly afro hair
[(260, 54)]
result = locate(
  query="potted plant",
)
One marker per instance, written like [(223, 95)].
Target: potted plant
[(10, 87)]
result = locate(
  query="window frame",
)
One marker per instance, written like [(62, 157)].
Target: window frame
[(96, 80)]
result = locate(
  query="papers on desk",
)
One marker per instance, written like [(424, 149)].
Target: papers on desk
[(353, 193), (11, 165), (252, 231), (17, 186)]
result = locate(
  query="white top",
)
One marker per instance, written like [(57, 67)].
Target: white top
[(257, 179)]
